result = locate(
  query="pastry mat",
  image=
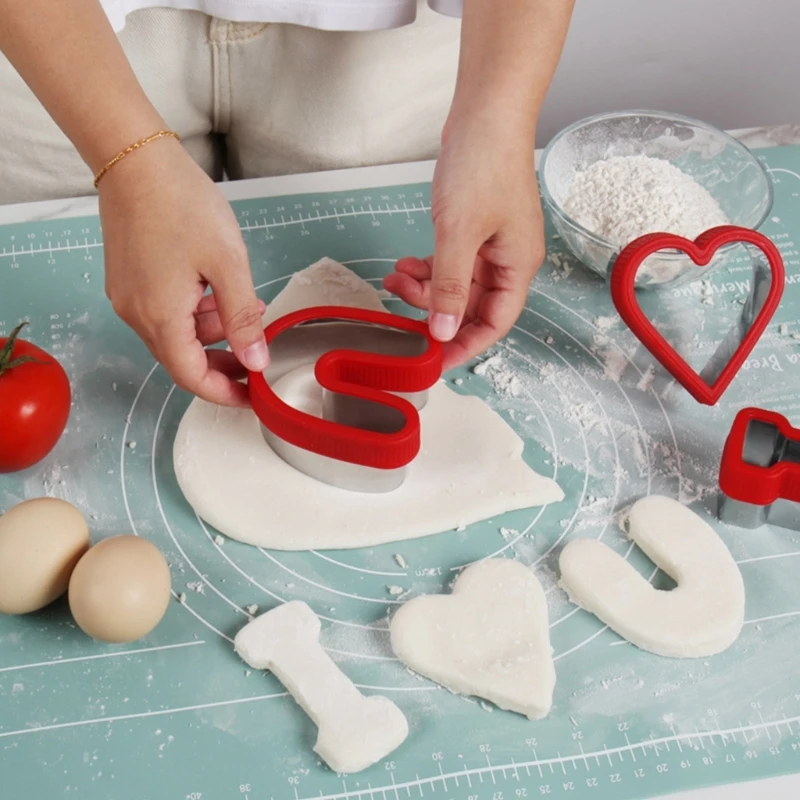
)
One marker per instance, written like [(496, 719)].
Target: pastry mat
[(178, 716)]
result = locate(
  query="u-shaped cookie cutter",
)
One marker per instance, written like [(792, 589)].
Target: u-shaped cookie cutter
[(375, 369)]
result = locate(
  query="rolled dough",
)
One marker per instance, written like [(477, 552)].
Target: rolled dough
[(489, 638), (701, 617), (470, 466)]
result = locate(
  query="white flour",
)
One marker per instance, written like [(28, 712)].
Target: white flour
[(642, 447), (625, 197)]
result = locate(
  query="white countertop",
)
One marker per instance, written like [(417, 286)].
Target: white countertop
[(786, 788)]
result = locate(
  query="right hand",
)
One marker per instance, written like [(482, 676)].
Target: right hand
[(169, 234)]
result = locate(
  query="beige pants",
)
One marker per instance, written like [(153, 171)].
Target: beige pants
[(253, 100)]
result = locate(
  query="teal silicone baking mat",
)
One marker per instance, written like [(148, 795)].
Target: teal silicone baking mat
[(178, 716)]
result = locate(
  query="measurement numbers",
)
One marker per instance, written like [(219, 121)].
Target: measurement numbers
[(301, 216), (584, 772)]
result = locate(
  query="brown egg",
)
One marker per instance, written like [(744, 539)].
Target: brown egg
[(41, 541), (120, 589)]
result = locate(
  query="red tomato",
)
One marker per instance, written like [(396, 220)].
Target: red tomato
[(34, 403)]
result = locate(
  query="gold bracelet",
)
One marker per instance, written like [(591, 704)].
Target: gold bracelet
[(128, 150)]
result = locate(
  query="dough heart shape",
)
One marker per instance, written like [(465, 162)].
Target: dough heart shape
[(701, 617), (489, 638), (701, 251)]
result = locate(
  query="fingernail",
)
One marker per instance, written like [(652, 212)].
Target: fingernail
[(262, 306), (256, 357), (443, 327)]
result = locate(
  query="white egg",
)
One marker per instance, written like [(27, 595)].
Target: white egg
[(120, 589), (41, 541)]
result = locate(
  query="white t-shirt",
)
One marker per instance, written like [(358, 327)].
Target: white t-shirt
[(334, 15)]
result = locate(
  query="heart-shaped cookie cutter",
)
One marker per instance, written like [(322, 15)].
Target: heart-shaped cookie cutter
[(760, 471), (765, 295), (375, 369)]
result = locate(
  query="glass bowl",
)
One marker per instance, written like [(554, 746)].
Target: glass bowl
[(725, 167)]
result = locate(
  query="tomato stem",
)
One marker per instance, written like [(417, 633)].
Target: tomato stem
[(6, 362)]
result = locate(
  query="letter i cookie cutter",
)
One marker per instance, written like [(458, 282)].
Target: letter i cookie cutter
[(760, 471), (766, 290), (375, 370)]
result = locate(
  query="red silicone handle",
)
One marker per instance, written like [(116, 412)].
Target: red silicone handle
[(369, 376), (701, 251), (751, 483)]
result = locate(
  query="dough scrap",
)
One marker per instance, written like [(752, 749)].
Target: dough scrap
[(490, 638), (701, 617), (326, 283), (470, 466), (355, 731)]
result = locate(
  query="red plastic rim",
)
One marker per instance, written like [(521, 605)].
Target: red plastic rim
[(755, 484), (369, 376), (701, 251)]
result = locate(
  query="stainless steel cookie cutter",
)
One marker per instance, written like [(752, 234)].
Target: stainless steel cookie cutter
[(765, 296), (375, 370), (760, 471)]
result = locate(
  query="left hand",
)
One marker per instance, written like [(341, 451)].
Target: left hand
[(489, 239)]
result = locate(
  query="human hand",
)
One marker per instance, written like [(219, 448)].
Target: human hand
[(489, 239), (168, 234)]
